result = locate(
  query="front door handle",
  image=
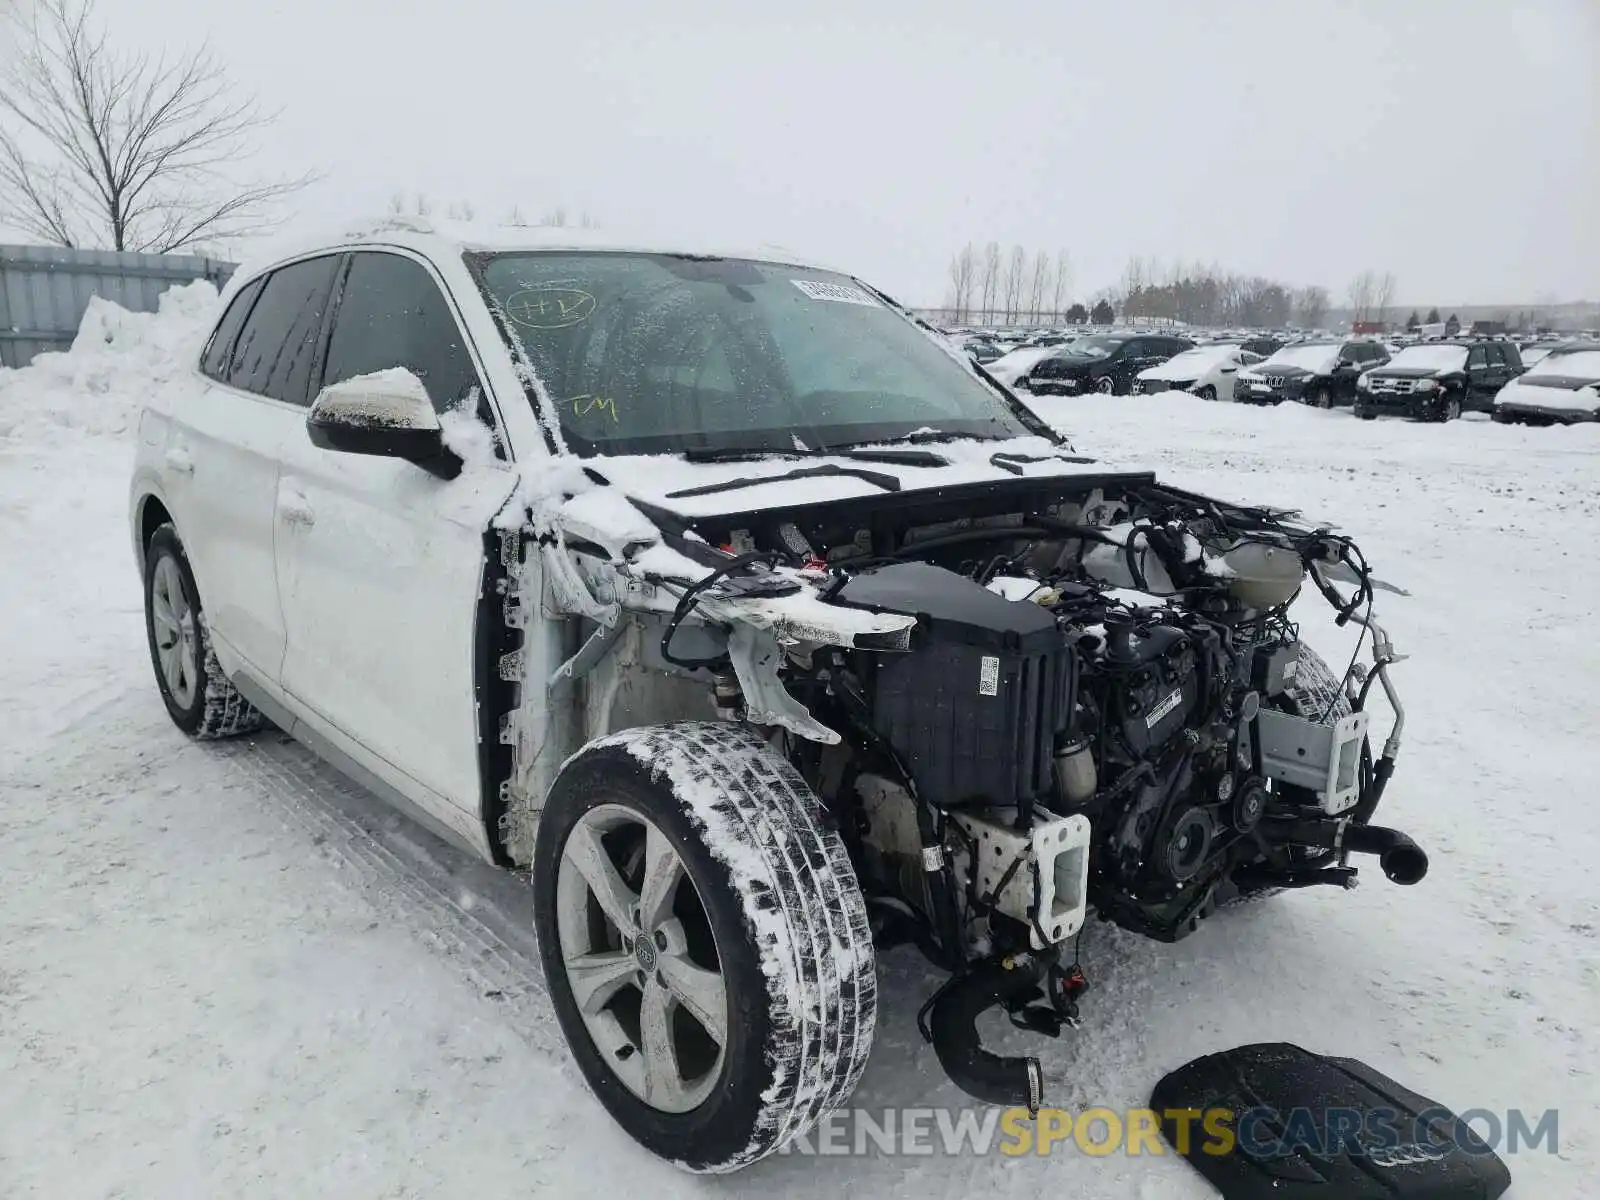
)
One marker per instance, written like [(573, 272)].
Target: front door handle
[(180, 460), (294, 508)]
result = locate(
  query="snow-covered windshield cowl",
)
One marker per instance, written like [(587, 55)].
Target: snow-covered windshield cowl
[(651, 353), (1431, 358)]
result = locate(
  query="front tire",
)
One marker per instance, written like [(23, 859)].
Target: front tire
[(1106, 386), (1452, 409), (198, 696), (671, 857), (1207, 393)]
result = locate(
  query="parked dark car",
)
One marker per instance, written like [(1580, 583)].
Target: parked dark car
[(1264, 346), (982, 351), (1438, 381), (1562, 388), (1101, 362), (1318, 373)]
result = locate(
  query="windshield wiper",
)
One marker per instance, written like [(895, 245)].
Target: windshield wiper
[(901, 458), (887, 482)]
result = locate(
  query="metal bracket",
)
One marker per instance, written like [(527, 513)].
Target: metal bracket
[(590, 653)]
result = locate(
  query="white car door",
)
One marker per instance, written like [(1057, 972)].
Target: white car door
[(220, 465), (380, 563)]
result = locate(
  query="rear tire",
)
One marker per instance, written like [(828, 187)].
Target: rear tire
[(766, 895), (198, 696)]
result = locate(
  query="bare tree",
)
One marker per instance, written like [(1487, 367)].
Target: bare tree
[(989, 279), (1016, 266), (100, 147), (1383, 295), (1063, 284), (1362, 295), (1038, 284), (1311, 305), (963, 275)]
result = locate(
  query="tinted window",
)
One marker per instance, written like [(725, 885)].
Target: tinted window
[(392, 314), (1478, 356), (1495, 355), (216, 355), (273, 354)]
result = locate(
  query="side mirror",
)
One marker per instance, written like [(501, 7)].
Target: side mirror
[(386, 413)]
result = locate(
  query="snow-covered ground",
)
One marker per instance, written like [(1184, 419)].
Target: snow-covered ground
[(226, 971)]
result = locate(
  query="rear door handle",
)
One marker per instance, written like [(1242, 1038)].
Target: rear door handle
[(180, 460), (294, 508)]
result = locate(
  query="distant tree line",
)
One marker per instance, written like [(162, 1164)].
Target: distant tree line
[(991, 286)]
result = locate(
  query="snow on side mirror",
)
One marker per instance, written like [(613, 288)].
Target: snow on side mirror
[(386, 413)]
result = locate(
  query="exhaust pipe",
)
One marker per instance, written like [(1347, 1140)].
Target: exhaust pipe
[(1401, 859), (953, 1025)]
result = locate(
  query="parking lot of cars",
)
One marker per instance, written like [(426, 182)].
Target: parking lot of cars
[(1536, 380)]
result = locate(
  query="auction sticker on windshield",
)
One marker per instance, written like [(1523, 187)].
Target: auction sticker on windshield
[(841, 292)]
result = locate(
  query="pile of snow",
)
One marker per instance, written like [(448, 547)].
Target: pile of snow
[(118, 362)]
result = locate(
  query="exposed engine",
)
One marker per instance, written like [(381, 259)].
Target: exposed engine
[(1102, 707)]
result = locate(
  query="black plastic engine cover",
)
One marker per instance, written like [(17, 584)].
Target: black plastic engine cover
[(1309, 1127), (973, 708)]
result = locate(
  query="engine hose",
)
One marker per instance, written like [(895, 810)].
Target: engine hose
[(953, 1026), (1402, 860)]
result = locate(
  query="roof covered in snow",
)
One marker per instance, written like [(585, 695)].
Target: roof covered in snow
[(444, 239)]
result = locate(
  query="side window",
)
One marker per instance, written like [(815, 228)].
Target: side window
[(273, 354), (1493, 355), (215, 359), (392, 314), (1478, 356), (1134, 348)]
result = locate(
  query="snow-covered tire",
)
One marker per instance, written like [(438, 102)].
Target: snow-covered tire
[(784, 910), (1106, 386), (208, 706)]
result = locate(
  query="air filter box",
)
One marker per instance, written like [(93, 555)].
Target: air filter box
[(974, 707)]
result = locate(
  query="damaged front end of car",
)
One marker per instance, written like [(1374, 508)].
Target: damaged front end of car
[(1017, 701)]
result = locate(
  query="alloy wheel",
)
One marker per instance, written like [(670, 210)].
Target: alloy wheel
[(639, 956), (177, 639)]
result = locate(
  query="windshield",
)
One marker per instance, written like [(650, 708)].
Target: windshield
[(1095, 346), (1575, 364), (1317, 358), (1431, 358), (651, 353)]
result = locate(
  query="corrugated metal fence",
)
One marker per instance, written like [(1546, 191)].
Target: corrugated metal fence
[(45, 289)]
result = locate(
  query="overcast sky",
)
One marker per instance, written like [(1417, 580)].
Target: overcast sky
[(1454, 142)]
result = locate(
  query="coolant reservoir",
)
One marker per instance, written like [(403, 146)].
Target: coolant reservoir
[(1263, 576)]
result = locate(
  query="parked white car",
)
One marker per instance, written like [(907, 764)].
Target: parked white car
[(733, 603), (1012, 366), (1207, 371), (1561, 388)]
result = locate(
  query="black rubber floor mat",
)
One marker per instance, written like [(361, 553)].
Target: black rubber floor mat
[(1275, 1121)]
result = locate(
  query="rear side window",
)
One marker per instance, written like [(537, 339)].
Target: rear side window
[(274, 352), (1478, 356), (392, 314), (215, 358)]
